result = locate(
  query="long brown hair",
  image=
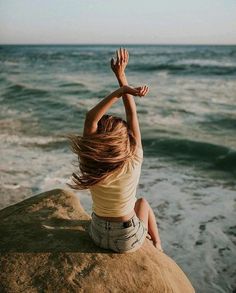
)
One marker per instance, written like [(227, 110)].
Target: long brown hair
[(103, 152)]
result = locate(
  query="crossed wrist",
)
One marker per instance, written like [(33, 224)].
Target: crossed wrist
[(121, 90)]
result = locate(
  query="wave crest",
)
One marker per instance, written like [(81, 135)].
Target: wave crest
[(189, 150)]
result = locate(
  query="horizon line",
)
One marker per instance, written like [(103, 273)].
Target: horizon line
[(115, 44)]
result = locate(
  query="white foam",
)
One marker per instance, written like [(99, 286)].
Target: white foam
[(24, 140), (11, 186), (205, 62), (11, 63)]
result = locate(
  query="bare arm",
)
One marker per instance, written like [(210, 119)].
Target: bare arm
[(130, 107), (96, 113), (131, 111)]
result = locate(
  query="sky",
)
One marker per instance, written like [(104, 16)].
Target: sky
[(117, 22)]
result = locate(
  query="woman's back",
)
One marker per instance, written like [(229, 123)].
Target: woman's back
[(115, 196)]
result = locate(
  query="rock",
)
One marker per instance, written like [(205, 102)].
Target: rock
[(45, 247)]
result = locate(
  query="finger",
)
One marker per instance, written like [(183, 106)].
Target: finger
[(142, 91), (145, 90), (124, 55), (118, 57), (127, 52), (112, 62), (121, 55)]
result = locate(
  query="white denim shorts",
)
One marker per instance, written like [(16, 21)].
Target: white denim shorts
[(121, 237)]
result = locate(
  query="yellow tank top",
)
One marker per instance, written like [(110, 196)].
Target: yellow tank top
[(115, 196)]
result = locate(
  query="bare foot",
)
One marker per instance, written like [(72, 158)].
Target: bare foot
[(122, 58), (158, 246), (155, 243)]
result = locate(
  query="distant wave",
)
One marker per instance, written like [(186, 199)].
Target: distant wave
[(72, 84), (60, 56), (20, 89), (187, 68), (219, 121), (188, 150)]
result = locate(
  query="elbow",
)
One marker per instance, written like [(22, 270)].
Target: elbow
[(89, 118)]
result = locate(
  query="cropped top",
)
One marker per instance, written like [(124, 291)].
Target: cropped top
[(115, 196)]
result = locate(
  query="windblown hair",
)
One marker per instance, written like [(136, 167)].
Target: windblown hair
[(103, 152)]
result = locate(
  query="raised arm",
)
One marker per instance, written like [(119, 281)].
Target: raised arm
[(96, 113), (118, 67)]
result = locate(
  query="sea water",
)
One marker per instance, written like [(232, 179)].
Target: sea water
[(188, 125)]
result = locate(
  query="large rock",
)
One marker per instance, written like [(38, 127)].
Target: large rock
[(45, 247)]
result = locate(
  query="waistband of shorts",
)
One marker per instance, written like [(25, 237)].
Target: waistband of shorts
[(131, 222)]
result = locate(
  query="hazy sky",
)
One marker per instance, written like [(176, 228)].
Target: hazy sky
[(120, 22)]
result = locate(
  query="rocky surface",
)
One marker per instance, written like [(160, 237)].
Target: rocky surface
[(45, 247)]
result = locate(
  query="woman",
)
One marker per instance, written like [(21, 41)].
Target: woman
[(110, 157)]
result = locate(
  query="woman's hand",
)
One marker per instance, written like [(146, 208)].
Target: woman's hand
[(122, 58), (137, 91)]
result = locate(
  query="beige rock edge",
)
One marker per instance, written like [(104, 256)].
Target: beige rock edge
[(45, 247)]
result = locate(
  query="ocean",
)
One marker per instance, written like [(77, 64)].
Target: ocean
[(188, 126)]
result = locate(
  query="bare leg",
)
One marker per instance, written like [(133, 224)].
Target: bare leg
[(145, 213)]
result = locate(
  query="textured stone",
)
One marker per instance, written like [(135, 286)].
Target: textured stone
[(45, 247)]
